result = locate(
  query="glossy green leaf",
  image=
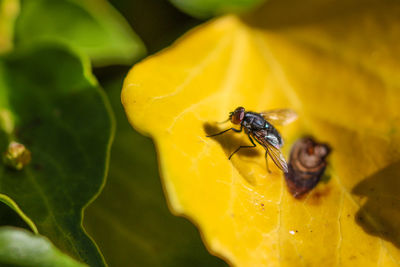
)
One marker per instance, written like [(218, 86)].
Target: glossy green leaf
[(93, 26), (207, 8), (19, 247), (130, 220), (50, 102)]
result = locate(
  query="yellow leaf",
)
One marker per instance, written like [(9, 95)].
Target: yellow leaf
[(337, 64)]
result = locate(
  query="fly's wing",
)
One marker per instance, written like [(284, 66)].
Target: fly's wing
[(277, 158), (273, 152), (280, 116)]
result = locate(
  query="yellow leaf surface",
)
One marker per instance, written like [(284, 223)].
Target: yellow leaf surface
[(336, 63)]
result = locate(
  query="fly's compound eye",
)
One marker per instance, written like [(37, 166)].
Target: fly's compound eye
[(237, 115)]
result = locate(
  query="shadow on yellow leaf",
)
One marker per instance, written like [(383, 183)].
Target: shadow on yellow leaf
[(334, 62), (380, 215)]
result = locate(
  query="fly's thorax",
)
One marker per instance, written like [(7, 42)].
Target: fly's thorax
[(253, 121)]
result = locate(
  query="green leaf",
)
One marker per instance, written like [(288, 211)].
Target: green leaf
[(50, 102), (208, 8), (11, 204), (130, 220), (19, 247), (93, 26), (9, 10), (8, 217)]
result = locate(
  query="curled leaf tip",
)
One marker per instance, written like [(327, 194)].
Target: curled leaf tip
[(17, 156), (306, 166)]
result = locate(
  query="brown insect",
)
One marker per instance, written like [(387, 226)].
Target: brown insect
[(306, 166)]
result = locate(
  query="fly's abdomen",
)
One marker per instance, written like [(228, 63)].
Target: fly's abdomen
[(274, 137)]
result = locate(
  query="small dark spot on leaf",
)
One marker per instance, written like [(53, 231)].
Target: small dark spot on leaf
[(318, 195), (38, 167)]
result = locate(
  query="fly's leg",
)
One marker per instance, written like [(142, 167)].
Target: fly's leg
[(251, 140), (233, 129), (266, 161)]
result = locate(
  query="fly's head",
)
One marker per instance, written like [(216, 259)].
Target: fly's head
[(236, 117)]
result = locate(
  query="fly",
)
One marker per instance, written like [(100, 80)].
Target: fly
[(259, 126)]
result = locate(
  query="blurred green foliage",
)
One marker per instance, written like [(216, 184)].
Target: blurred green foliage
[(92, 26), (9, 10), (207, 8), (132, 206), (61, 115), (157, 22)]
